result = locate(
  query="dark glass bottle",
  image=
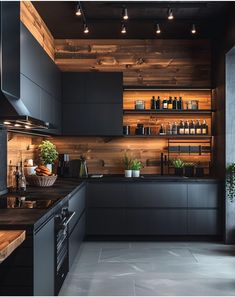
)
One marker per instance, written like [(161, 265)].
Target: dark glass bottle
[(153, 103), (180, 103), (198, 128), (162, 130), (181, 128), (175, 129), (175, 103), (170, 103), (17, 178), (192, 128), (158, 103), (204, 128), (165, 104), (186, 128)]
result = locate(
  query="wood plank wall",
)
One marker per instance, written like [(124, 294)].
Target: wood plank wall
[(35, 24), (155, 62)]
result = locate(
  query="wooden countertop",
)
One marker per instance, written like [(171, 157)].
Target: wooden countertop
[(9, 241)]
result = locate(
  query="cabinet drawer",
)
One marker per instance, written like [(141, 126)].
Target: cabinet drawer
[(156, 222), (75, 239), (204, 195), (106, 195), (157, 195), (204, 222), (77, 204), (106, 222)]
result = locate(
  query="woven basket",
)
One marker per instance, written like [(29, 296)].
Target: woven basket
[(41, 181)]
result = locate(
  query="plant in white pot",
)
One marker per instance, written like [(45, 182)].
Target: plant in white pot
[(127, 162), (47, 154), (136, 166)]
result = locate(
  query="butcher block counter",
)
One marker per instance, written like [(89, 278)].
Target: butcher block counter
[(9, 241)]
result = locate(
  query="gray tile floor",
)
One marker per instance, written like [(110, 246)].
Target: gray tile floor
[(152, 269)]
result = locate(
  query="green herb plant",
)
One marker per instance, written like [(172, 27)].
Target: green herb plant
[(178, 163), (230, 181), (127, 162), (136, 165), (47, 152)]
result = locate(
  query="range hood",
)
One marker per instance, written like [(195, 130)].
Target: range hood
[(14, 113)]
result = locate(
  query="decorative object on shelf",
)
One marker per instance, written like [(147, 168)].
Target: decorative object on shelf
[(139, 104), (140, 130), (126, 130), (189, 169), (192, 105), (136, 166), (127, 162), (148, 131), (47, 154), (179, 166), (83, 172), (230, 181)]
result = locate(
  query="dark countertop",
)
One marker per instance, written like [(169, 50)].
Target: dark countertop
[(63, 188), (32, 218)]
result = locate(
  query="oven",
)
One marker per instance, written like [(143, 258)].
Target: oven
[(62, 220)]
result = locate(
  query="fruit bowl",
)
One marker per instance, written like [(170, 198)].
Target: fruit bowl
[(41, 181)]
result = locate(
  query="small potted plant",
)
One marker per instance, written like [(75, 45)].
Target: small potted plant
[(179, 166), (47, 154), (189, 169), (127, 162), (136, 166)]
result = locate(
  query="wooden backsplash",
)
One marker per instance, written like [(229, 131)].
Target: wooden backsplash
[(104, 155)]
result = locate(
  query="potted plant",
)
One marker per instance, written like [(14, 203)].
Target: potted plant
[(189, 169), (179, 166), (47, 154), (136, 166), (127, 162), (230, 181)]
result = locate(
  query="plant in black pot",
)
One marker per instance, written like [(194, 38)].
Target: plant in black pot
[(179, 166), (189, 169)]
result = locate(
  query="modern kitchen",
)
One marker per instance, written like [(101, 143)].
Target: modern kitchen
[(117, 148)]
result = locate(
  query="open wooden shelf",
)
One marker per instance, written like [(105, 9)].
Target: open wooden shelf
[(171, 136), (162, 111)]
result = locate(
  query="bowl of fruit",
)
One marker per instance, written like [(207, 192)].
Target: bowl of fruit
[(43, 177)]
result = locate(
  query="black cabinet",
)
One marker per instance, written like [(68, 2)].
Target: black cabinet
[(44, 253), (92, 104), (10, 47), (204, 222), (40, 81)]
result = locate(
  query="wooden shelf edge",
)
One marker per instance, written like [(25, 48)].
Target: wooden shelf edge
[(170, 136), (160, 111)]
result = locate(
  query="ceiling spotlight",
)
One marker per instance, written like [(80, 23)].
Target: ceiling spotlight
[(170, 15), (193, 30), (123, 29), (158, 30), (124, 14), (78, 10), (86, 29)]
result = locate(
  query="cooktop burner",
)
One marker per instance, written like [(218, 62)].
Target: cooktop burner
[(19, 202)]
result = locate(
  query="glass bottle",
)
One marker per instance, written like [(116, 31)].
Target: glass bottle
[(169, 129), (165, 104), (158, 103), (83, 172), (175, 103), (175, 129), (186, 128), (198, 128), (170, 103), (204, 128), (180, 103), (153, 103), (162, 130), (192, 128)]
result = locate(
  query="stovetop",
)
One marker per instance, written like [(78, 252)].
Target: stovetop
[(26, 202)]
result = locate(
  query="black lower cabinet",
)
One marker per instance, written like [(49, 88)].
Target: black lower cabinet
[(75, 239), (44, 261)]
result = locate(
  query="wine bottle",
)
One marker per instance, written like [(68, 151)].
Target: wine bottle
[(175, 103), (175, 129), (204, 128), (164, 104), (158, 103), (170, 103), (186, 128), (192, 128), (180, 103), (181, 128), (153, 103), (162, 130), (169, 129), (198, 128)]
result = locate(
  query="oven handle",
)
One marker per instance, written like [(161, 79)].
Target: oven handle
[(69, 218)]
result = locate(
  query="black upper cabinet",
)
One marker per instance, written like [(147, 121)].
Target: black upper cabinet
[(92, 104), (10, 47)]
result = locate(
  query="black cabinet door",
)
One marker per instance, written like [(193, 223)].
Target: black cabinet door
[(202, 195), (106, 195), (156, 221), (44, 253), (106, 221), (92, 119), (75, 239), (10, 47), (77, 204), (74, 87), (104, 87), (156, 195), (204, 222)]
